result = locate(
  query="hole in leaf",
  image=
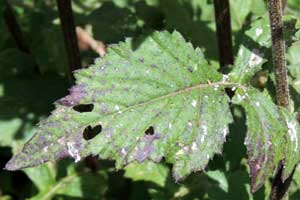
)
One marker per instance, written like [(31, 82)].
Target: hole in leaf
[(150, 131), (89, 132), (84, 108)]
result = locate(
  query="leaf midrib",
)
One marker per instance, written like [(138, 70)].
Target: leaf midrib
[(180, 91)]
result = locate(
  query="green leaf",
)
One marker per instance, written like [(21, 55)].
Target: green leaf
[(297, 177), (147, 171), (239, 10), (293, 7), (75, 184), (292, 153), (173, 98), (258, 7), (49, 56), (184, 16), (259, 32), (220, 177), (254, 50), (293, 65), (121, 19), (248, 62), (250, 57), (25, 96), (14, 62), (266, 136)]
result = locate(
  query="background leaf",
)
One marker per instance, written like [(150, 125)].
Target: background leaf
[(147, 171)]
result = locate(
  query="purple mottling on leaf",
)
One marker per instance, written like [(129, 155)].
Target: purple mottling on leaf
[(147, 149), (76, 94), (150, 138), (144, 152), (61, 154)]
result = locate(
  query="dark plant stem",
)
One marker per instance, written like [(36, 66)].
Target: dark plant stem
[(279, 186), (224, 35), (278, 53), (69, 31), (14, 28), (74, 59)]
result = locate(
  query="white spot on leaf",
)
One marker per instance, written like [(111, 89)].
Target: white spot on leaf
[(204, 128), (225, 132), (258, 31), (194, 103), (123, 152), (61, 140), (293, 133), (255, 58), (73, 152), (225, 78), (202, 138), (45, 149), (241, 52), (216, 87), (194, 146), (180, 152)]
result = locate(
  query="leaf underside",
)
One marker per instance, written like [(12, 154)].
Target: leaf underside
[(160, 101)]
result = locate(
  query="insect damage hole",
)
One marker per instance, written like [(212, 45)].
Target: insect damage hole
[(149, 131), (84, 108), (89, 132)]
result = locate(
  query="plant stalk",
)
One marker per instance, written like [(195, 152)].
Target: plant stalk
[(224, 35), (14, 28), (74, 59), (69, 32), (279, 187), (278, 53)]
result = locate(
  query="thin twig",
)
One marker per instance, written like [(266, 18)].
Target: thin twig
[(222, 16), (279, 186), (69, 31), (283, 5), (14, 28), (86, 41)]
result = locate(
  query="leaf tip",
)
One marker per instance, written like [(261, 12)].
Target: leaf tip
[(11, 165)]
